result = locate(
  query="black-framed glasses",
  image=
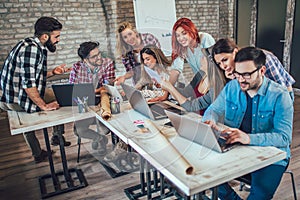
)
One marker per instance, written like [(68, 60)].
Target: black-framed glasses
[(246, 75), (98, 55)]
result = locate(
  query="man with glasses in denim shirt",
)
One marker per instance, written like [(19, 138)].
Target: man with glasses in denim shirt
[(260, 113), (224, 52)]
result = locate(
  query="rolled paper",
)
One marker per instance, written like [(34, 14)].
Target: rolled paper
[(105, 105), (163, 146)]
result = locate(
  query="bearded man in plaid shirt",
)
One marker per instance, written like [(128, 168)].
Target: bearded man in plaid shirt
[(23, 79)]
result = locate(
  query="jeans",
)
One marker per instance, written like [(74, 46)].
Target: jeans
[(30, 136), (264, 183)]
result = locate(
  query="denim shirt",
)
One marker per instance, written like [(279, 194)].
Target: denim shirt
[(272, 114)]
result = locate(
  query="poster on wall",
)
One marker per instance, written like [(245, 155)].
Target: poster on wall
[(156, 17)]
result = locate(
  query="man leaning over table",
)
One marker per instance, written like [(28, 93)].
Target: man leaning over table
[(23, 79), (92, 68), (260, 113)]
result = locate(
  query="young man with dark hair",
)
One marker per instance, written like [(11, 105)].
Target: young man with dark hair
[(92, 68)]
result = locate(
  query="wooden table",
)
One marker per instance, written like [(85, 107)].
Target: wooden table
[(211, 168), (21, 122)]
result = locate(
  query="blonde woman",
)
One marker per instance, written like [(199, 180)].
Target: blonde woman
[(129, 45)]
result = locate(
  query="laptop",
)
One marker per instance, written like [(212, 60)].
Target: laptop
[(65, 93), (154, 111), (113, 91), (199, 132)]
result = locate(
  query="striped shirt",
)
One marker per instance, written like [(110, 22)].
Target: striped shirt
[(276, 72), (81, 73), (132, 60), (24, 67)]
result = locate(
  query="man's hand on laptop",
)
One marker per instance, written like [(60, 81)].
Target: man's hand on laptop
[(51, 106), (234, 135)]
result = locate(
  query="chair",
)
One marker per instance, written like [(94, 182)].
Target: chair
[(79, 139), (247, 180)]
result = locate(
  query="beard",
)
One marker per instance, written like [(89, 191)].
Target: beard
[(251, 86), (96, 63), (50, 46)]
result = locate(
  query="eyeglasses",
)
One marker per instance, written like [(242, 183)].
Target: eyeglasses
[(246, 75), (98, 55)]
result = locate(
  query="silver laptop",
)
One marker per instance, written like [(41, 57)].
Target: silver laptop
[(153, 111), (199, 132)]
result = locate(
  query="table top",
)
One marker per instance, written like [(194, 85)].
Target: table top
[(210, 167), (21, 122)]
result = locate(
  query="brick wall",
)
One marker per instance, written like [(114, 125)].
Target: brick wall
[(96, 20), (227, 18), (82, 21)]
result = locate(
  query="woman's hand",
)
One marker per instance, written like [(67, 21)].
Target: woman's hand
[(119, 80), (166, 85), (159, 98)]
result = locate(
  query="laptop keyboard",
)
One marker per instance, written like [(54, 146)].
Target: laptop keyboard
[(158, 111)]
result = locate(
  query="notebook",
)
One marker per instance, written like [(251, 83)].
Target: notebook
[(153, 111), (65, 93), (199, 132)]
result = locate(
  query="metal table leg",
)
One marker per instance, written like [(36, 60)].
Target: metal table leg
[(46, 192)]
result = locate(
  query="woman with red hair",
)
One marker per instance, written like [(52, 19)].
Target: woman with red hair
[(187, 43)]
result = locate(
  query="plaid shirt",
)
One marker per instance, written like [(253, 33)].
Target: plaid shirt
[(24, 67), (129, 61), (276, 72), (81, 73)]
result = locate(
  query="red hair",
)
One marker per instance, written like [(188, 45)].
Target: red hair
[(190, 28)]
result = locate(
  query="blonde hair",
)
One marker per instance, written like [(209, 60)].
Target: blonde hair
[(122, 48), (162, 63)]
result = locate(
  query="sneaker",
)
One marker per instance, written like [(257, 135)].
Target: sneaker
[(128, 161), (119, 148), (55, 141), (42, 157)]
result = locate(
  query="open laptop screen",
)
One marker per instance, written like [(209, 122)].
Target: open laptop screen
[(199, 132), (65, 93), (153, 111)]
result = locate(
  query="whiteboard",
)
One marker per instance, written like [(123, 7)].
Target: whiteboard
[(156, 17)]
